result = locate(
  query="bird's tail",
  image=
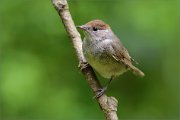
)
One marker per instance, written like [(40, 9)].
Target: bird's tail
[(136, 71)]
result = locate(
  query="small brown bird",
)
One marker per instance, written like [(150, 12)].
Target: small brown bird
[(105, 53)]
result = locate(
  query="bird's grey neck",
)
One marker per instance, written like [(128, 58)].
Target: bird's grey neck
[(91, 39)]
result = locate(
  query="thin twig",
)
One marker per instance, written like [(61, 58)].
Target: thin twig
[(107, 104)]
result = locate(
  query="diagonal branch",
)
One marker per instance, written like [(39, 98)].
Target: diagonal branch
[(107, 104)]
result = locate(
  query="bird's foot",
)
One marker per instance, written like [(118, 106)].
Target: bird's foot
[(83, 65), (100, 92)]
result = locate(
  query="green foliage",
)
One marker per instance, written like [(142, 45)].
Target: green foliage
[(39, 78)]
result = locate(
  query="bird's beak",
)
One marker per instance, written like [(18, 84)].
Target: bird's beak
[(83, 27)]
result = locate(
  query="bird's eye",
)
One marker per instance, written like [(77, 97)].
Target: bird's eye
[(95, 29)]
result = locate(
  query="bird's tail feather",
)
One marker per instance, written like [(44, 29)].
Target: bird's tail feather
[(136, 71)]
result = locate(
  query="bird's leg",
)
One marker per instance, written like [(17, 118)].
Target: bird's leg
[(101, 91)]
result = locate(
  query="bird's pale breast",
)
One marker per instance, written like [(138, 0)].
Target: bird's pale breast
[(97, 56)]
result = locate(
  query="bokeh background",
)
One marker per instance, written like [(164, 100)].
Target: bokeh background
[(39, 77)]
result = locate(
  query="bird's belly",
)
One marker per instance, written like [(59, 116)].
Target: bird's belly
[(105, 65), (107, 69)]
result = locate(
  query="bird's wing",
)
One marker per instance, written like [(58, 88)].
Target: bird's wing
[(120, 54)]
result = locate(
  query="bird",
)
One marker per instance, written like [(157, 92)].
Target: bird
[(104, 51)]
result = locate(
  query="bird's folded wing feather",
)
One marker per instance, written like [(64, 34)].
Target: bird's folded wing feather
[(121, 55)]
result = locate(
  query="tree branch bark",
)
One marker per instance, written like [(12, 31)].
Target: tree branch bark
[(107, 104)]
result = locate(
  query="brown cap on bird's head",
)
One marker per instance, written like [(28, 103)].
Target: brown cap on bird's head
[(99, 24)]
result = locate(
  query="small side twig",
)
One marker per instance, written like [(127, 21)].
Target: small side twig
[(107, 104)]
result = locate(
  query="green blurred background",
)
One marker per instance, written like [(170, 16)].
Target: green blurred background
[(39, 78)]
